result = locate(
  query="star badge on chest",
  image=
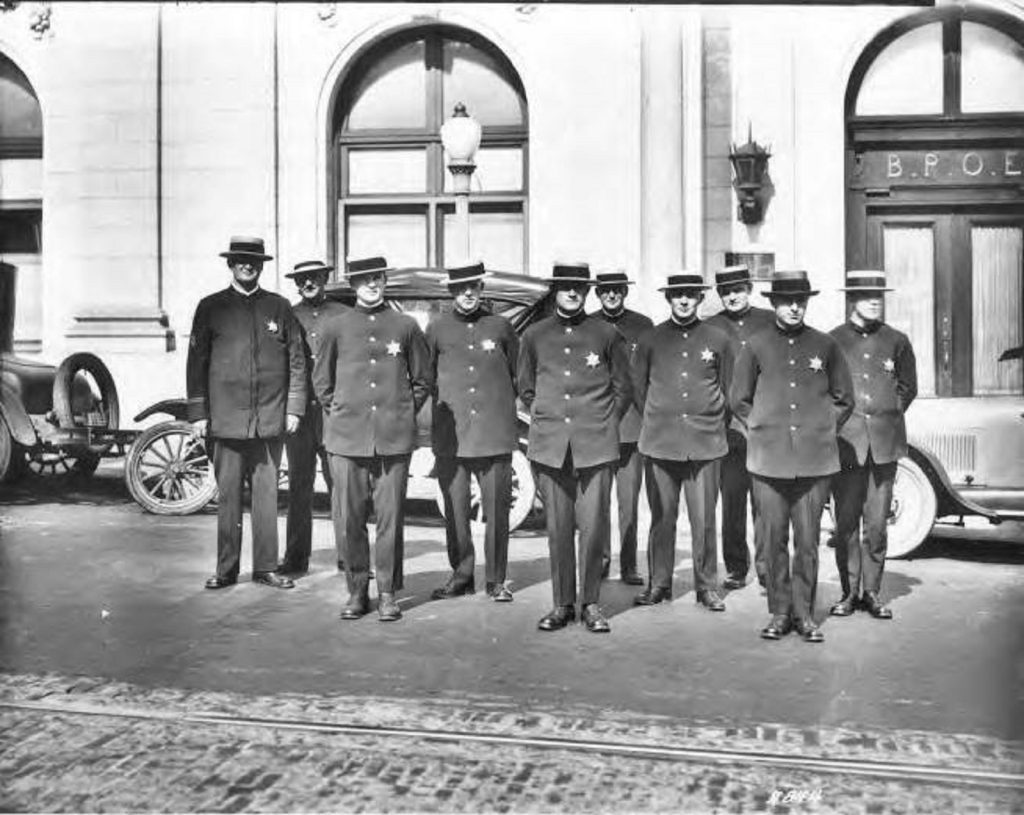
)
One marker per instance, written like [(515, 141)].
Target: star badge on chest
[(593, 360), (488, 345), (393, 348), (816, 364), (889, 366), (707, 355), (272, 326)]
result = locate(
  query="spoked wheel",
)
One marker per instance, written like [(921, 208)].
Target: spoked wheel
[(168, 470), (62, 462), (524, 491)]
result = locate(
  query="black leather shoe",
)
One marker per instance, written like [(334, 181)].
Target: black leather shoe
[(710, 600), (273, 579), (594, 620), (499, 592), (341, 565), (809, 631), (873, 606), (454, 588), (355, 607), (777, 628), (289, 568), (606, 568), (216, 582), (651, 597), (845, 607), (630, 577), (558, 617), (387, 609), (731, 583)]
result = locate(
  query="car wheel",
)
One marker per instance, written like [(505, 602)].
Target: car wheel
[(7, 453), (524, 492), (913, 509), (168, 470)]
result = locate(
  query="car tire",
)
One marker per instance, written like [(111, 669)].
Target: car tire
[(7, 453), (524, 492), (168, 470), (63, 390), (912, 514)]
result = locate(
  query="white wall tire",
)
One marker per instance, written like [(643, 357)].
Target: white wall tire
[(524, 491), (913, 509)]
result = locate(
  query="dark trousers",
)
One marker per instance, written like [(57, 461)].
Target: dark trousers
[(357, 481), (494, 474), (628, 475), (735, 485), (863, 494), (699, 483), (235, 460), (303, 449), (575, 499), (799, 501)]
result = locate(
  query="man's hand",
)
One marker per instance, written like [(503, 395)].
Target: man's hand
[(199, 428), (291, 424)]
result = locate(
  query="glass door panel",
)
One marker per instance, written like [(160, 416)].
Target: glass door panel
[(997, 281), (908, 257)]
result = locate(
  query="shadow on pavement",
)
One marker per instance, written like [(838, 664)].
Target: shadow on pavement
[(974, 551)]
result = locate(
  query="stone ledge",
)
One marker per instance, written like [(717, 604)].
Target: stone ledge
[(126, 328)]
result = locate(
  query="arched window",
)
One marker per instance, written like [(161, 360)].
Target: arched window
[(21, 200), (391, 183), (935, 158)]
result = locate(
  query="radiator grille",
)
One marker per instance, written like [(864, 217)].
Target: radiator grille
[(956, 451)]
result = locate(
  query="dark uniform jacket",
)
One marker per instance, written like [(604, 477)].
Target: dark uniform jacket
[(312, 319), (681, 377), (632, 326), (793, 393), (884, 372), (372, 375), (574, 378), (473, 362), (740, 329), (246, 368)]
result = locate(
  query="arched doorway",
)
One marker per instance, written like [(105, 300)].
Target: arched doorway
[(935, 191), (21, 205), (390, 189)]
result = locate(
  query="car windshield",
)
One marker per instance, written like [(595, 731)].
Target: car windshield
[(423, 310)]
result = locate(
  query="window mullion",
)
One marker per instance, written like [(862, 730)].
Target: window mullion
[(951, 45)]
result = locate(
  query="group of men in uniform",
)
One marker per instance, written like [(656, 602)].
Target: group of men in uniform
[(751, 401)]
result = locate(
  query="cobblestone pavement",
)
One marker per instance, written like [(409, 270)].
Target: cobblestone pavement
[(85, 745)]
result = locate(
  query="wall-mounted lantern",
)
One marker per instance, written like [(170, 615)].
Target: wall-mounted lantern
[(750, 169)]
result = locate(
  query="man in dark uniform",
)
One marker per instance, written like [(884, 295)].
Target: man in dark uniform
[(884, 372), (681, 372), (372, 375), (574, 379), (306, 445), (741, 321), (792, 391), (246, 383), (473, 360), (612, 289)]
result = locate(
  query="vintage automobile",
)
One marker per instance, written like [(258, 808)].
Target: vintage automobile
[(168, 472), (421, 292)]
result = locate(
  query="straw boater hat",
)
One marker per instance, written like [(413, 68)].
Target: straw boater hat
[(791, 283), (245, 247), (731, 275), (684, 280), (465, 273), (867, 280), (309, 267), (616, 278), (576, 272), (360, 266)]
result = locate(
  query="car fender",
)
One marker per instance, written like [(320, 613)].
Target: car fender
[(176, 408), (16, 418), (950, 502)]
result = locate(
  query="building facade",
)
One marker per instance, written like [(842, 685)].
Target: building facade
[(136, 138)]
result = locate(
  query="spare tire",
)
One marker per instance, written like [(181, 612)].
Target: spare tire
[(64, 405)]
